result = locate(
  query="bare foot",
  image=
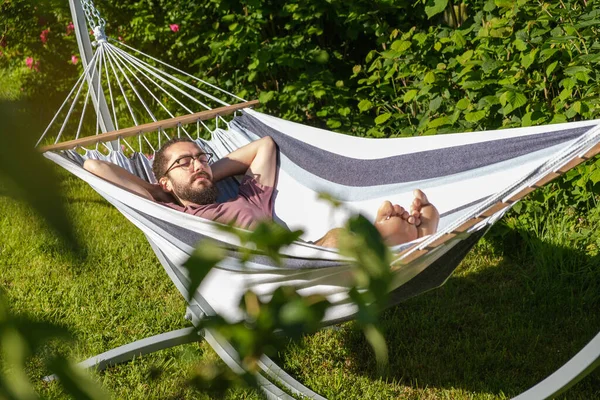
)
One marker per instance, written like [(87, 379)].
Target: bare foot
[(424, 214), (393, 225)]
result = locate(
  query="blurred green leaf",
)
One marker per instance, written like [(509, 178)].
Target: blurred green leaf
[(377, 342), (410, 95), (75, 381), (266, 97), (25, 173), (206, 255)]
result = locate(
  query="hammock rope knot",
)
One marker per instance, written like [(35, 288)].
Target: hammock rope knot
[(99, 35)]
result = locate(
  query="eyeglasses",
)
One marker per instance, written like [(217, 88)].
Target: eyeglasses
[(186, 162)]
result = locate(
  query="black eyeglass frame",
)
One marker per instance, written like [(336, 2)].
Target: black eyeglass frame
[(176, 163)]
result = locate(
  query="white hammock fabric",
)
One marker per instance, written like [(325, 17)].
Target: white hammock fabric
[(460, 174), (472, 178)]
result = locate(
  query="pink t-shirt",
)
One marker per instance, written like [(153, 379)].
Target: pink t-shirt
[(253, 204)]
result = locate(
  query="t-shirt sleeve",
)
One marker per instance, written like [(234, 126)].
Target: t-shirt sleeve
[(259, 195)]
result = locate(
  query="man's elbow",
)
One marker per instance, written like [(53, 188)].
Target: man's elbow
[(96, 167), (90, 165)]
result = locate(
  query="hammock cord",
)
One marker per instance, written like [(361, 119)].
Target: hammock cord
[(64, 102), (123, 92), (127, 65), (118, 62), (185, 74), (85, 104), (157, 73), (91, 66), (115, 61), (112, 101), (99, 88), (577, 148), (136, 81)]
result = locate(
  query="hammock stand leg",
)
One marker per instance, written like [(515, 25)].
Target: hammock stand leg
[(199, 308), (569, 374), (138, 348)]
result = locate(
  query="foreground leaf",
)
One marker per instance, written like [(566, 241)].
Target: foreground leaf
[(26, 174)]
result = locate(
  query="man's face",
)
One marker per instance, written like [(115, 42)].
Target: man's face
[(192, 183)]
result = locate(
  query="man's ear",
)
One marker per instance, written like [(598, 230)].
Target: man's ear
[(165, 184)]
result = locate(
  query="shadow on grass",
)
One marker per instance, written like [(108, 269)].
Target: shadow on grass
[(494, 329), (87, 201)]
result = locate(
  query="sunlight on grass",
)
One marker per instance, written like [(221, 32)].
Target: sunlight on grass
[(496, 328), (10, 89), (517, 308)]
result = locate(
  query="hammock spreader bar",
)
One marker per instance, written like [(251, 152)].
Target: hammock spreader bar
[(150, 127), (418, 250), (465, 227)]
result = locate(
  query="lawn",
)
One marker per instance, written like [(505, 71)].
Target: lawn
[(517, 308)]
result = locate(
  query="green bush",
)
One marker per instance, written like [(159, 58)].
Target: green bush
[(509, 64), (378, 69)]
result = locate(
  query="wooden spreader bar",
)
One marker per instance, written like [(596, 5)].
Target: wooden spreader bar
[(495, 208), (151, 127)]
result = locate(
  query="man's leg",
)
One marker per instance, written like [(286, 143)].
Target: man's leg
[(330, 239), (395, 224)]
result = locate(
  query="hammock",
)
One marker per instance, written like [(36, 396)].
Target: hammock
[(472, 178)]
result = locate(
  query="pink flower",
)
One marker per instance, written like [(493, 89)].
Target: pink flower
[(120, 38), (74, 59), (36, 66), (174, 27), (44, 35), (29, 62), (70, 28)]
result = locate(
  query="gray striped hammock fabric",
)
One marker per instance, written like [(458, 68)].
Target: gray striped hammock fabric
[(472, 178)]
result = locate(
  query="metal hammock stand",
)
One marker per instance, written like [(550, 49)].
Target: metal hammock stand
[(133, 77)]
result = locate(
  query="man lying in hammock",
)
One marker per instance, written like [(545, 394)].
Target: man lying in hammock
[(186, 182)]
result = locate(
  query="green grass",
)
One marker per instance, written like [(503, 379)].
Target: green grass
[(497, 327), (516, 309)]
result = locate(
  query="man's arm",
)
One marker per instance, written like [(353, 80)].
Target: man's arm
[(257, 159), (123, 178)]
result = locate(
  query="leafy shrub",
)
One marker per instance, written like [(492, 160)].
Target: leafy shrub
[(379, 69), (510, 64)]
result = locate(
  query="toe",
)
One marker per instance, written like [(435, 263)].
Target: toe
[(398, 210), (385, 211), (415, 218), (417, 221), (415, 205), (419, 195)]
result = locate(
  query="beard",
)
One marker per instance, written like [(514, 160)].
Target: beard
[(201, 196)]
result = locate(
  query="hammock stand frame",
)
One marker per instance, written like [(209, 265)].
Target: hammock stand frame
[(584, 362)]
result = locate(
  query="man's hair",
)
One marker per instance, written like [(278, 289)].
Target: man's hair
[(159, 165)]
